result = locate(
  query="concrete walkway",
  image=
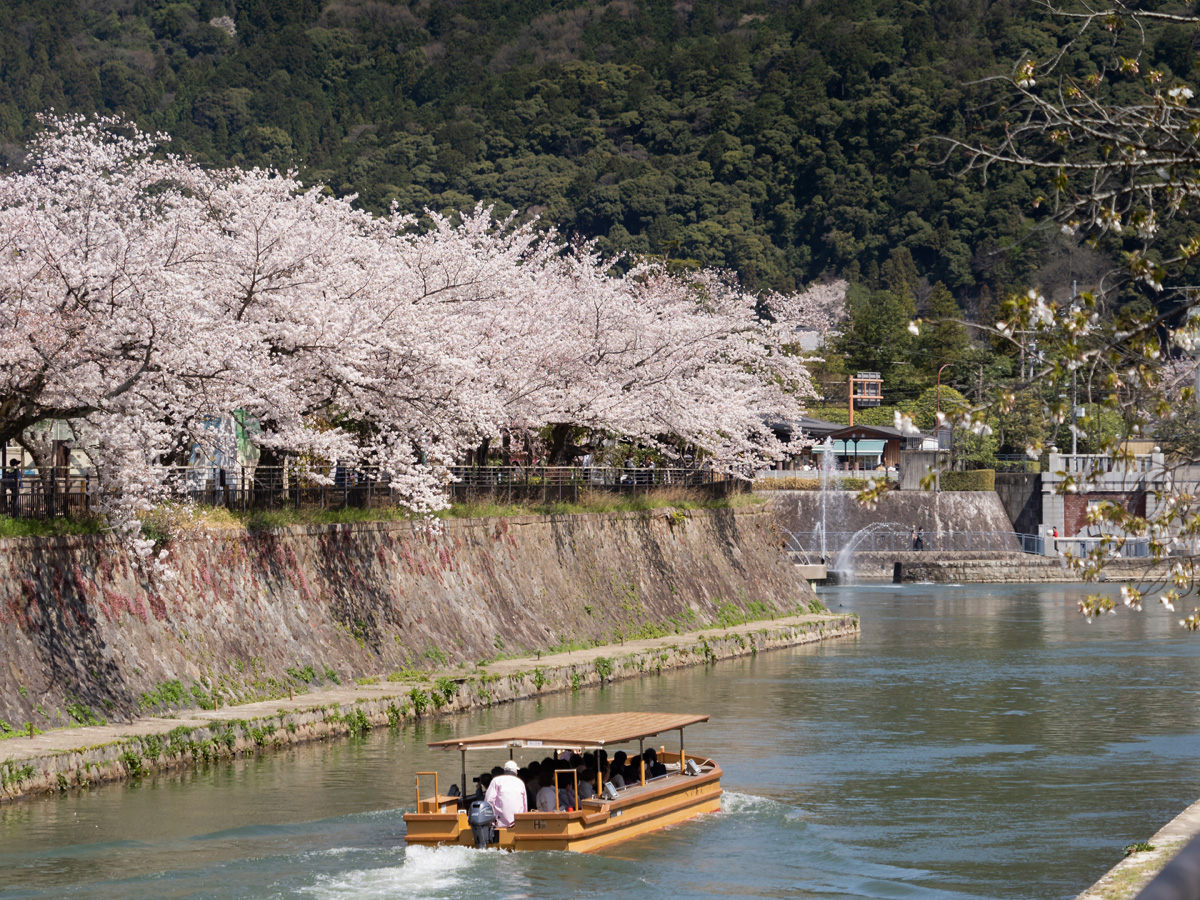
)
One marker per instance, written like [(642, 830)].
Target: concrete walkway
[(70, 740), (1124, 880)]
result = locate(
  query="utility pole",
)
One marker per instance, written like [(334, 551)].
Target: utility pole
[(1074, 389)]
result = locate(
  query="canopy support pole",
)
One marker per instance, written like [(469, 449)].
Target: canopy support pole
[(464, 775)]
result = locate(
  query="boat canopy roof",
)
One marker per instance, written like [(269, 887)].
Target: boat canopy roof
[(576, 732)]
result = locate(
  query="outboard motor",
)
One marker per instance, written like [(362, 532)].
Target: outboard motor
[(482, 819)]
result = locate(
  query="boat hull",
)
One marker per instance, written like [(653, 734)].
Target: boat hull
[(596, 825)]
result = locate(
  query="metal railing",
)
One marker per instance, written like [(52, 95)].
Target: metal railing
[(28, 496), (1034, 544), (1081, 545), (1016, 462), (564, 483), (808, 543), (341, 487), (834, 475)]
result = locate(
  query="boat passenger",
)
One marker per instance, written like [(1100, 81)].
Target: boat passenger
[(547, 798), (654, 769), (617, 774), (566, 788), (507, 795), (478, 792), (532, 779), (587, 782)]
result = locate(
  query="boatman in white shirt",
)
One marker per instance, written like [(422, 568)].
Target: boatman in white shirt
[(507, 795)]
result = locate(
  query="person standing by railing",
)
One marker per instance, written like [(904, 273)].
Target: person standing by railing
[(12, 487)]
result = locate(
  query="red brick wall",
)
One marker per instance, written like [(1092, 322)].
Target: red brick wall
[(1075, 507)]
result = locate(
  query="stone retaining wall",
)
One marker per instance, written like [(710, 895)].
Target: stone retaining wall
[(85, 634)]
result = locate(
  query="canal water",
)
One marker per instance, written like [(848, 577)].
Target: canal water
[(973, 742)]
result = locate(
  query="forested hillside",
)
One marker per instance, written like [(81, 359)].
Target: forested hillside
[(778, 139)]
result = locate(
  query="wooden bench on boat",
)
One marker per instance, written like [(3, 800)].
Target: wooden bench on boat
[(598, 822)]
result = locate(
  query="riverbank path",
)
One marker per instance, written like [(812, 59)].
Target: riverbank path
[(19, 748)]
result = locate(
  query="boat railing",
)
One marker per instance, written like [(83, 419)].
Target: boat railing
[(558, 796), (438, 803)]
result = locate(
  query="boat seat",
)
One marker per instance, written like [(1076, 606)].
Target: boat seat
[(442, 803)]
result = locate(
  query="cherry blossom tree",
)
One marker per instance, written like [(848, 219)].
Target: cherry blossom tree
[(141, 295), (99, 310), (646, 354)]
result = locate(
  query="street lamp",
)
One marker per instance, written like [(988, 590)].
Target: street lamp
[(939, 417), (939, 388)]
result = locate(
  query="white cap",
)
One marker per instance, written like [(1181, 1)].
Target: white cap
[(511, 767)]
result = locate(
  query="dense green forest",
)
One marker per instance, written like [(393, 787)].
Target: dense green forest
[(789, 141), (779, 139)]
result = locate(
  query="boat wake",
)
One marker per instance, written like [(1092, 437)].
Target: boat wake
[(425, 872), (734, 803)]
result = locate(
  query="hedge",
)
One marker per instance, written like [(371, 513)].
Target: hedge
[(975, 480)]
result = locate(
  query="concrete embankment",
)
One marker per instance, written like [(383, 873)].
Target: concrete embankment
[(86, 634), (1124, 880), (65, 759), (992, 567)]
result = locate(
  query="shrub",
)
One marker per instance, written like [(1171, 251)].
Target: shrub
[(444, 691), (420, 700), (975, 480)]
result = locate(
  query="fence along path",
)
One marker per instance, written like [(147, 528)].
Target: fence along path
[(74, 493)]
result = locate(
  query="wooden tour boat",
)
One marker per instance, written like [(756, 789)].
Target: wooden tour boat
[(691, 786)]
